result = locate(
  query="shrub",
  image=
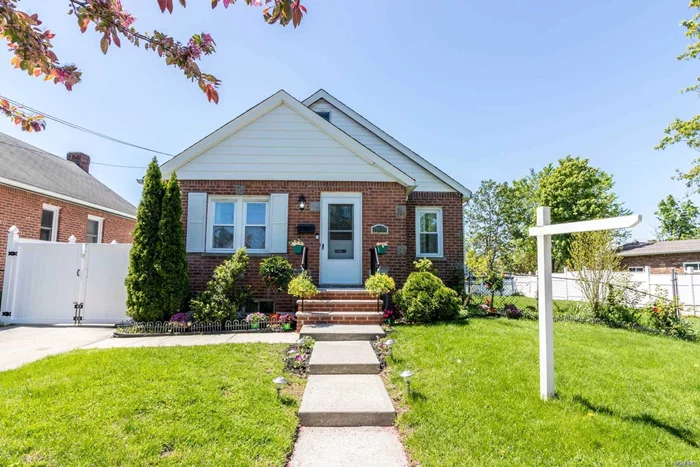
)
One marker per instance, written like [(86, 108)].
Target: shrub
[(379, 284), (301, 286), (224, 295), (423, 265), (663, 316), (512, 311), (276, 272), (424, 297)]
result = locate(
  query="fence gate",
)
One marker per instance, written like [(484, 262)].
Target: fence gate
[(63, 283)]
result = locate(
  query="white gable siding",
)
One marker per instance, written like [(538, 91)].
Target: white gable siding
[(425, 180), (281, 145)]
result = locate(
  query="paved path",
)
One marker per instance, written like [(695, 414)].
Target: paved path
[(25, 344), (346, 414)]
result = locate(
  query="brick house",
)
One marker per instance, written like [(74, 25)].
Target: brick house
[(661, 257), (319, 172), (50, 198)]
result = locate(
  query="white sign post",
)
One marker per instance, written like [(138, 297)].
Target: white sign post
[(544, 232)]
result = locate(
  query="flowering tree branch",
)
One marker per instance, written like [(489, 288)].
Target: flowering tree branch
[(32, 47)]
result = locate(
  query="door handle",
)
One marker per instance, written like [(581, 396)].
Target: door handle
[(323, 246)]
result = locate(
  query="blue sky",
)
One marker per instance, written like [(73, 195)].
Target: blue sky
[(481, 89)]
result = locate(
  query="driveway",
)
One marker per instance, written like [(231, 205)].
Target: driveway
[(24, 344)]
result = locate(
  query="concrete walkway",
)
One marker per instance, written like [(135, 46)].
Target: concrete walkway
[(346, 414), (21, 344)]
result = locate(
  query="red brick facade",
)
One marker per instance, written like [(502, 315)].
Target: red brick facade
[(23, 209), (661, 264), (382, 203)]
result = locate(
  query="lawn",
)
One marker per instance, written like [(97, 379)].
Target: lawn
[(623, 398), (209, 405)]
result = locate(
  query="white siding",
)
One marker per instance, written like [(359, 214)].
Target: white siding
[(425, 180), (281, 145)]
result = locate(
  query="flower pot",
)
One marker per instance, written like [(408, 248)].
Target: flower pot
[(255, 326), (381, 250), (287, 326), (298, 249)]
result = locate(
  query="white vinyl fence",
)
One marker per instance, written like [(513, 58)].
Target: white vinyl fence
[(64, 283), (565, 287)]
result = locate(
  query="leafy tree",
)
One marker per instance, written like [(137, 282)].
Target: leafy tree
[(143, 282), (32, 46), (688, 131), (678, 221), (575, 191), (171, 262)]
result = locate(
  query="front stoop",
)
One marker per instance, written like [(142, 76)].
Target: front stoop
[(342, 332), (346, 400), (340, 306), (343, 358), (346, 447)]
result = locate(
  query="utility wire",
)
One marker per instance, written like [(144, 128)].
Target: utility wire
[(80, 128), (44, 153)]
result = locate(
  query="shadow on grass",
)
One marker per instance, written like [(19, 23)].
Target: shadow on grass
[(288, 401), (682, 434), (417, 396)]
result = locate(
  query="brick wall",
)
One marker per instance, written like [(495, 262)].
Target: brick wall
[(23, 209), (382, 203), (661, 264)]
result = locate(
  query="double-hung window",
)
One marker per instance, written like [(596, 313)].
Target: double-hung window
[(429, 231), (49, 223), (694, 266), (236, 222), (94, 229)]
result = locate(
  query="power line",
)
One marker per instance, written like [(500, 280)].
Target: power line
[(80, 128), (44, 153)]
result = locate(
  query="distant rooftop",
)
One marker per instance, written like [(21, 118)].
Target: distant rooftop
[(659, 248), (25, 166)]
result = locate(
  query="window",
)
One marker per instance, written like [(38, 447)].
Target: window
[(49, 223), (695, 267), (635, 269), (264, 306), (236, 222), (325, 115), (429, 231), (94, 229)]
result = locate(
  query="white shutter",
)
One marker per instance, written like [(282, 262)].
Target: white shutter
[(279, 205), (196, 222)]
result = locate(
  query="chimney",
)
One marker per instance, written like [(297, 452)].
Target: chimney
[(82, 160)]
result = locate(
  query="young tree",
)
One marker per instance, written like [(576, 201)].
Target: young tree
[(171, 261), (32, 46), (677, 221), (575, 191), (593, 256), (143, 281)]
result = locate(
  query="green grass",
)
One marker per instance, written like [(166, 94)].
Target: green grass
[(623, 398), (209, 405)]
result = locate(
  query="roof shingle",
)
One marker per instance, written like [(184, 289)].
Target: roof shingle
[(659, 248)]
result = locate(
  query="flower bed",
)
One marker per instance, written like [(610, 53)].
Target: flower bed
[(296, 360)]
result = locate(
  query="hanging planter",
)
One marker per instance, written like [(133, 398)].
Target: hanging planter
[(382, 248), (298, 246)]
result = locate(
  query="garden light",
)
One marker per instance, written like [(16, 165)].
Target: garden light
[(280, 382), (389, 343), (407, 375)]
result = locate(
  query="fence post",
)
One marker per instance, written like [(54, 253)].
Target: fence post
[(674, 290), (9, 278), (692, 288), (647, 269), (566, 282)]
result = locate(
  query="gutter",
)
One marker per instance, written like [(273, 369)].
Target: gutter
[(41, 191)]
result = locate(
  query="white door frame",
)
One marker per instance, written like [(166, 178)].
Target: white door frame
[(353, 274)]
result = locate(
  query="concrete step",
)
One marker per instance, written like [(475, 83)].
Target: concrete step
[(342, 332), (348, 447), (333, 305), (343, 358), (346, 400)]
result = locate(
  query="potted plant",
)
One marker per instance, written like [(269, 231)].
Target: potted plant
[(382, 248), (276, 272), (287, 321), (301, 286), (255, 319), (378, 285), (298, 246)]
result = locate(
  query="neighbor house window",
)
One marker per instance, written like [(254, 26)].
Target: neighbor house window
[(94, 230), (49, 223), (325, 115), (635, 269), (236, 222), (692, 266), (429, 231)]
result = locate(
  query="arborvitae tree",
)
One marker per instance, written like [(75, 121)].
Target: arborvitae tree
[(143, 281), (171, 258)]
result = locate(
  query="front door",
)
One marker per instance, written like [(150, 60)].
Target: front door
[(341, 242)]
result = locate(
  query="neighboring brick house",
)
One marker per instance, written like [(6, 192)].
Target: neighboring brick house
[(661, 257), (319, 172), (50, 198)]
